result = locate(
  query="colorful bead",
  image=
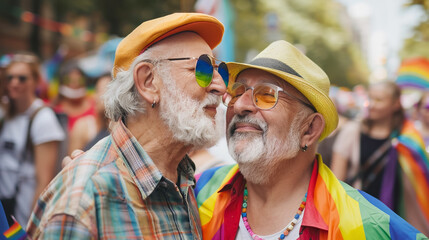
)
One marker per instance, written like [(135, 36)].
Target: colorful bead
[(290, 226)]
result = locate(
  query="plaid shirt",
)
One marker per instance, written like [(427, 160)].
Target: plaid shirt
[(115, 191)]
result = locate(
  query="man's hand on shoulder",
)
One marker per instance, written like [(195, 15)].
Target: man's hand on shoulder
[(66, 160)]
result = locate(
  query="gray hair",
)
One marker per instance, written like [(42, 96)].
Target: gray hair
[(121, 98)]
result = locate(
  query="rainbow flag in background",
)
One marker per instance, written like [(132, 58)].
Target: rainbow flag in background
[(414, 162), (15, 232), (414, 73), (347, 212)]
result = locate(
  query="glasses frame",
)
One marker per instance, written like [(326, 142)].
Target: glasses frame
[(213, 63), (22, 78), (272, 86)]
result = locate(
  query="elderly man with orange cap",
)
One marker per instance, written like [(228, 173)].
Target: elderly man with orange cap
[(138, 182), (278, 110)]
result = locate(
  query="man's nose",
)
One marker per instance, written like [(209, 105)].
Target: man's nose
[(244, 104), (217, 86)]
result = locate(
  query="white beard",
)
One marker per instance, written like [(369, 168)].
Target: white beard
[(186, 118), (259, 155)]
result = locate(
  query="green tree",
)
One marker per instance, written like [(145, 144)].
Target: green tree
[(121, 17), (418, 44), (313, 25)]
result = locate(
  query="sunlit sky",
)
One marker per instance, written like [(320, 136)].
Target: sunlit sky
[(390, 24)]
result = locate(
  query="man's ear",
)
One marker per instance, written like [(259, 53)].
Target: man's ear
[(144, 80), (312, 129)]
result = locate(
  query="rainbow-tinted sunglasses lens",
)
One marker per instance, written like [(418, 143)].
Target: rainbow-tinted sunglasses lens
[(204, 71)]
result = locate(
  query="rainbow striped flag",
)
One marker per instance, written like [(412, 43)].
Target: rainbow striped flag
[(347, 212), (409, 151), (414, 73), (15, 232)]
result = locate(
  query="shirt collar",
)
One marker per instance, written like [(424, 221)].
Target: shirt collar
[(235, 184), (186, 171), (312, 217), (141, 166)]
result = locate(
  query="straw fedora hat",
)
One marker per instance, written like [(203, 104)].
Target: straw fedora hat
[(287, 62)]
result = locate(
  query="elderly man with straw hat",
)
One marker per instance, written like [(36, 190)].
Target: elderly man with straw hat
[(138, 182), (278, 110)]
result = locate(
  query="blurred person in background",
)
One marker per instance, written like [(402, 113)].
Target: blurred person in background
[(73, 99), (384, 155), (89, 129), (422, 115), (162, 102), (29, 139), (3, 98)]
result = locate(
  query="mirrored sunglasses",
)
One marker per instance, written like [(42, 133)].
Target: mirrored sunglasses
[(264, 95), (204, 68), (21, 78)]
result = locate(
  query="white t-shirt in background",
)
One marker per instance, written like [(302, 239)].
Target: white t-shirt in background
[(13, 137)]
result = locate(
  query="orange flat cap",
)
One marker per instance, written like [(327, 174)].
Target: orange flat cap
[(153, 31)]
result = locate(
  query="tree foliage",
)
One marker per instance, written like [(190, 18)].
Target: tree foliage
[(121, 16), (418, 44), (312, 25)]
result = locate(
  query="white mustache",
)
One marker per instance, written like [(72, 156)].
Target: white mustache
[(211, 99), (246, 119)]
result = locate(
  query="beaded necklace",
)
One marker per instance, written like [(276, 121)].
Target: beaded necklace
[(289, 227)]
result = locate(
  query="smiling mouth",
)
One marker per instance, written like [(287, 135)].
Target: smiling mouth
[(245, 128)]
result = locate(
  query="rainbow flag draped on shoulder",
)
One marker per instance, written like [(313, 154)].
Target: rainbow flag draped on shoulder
[(212, 206), (409, 151), (334, 210)]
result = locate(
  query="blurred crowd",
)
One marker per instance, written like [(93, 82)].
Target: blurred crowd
[(368, 150), (38, 129)]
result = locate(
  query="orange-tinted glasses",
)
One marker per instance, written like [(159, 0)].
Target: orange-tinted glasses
[(264, 95)]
